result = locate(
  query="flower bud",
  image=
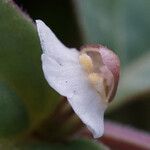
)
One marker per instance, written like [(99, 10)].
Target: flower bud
[(107, 65)]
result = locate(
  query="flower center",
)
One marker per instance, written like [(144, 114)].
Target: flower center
[(86, 62), (98, 74)]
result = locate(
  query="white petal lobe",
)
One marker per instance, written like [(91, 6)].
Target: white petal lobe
[(48, 40), (64, 73), (50, 43)]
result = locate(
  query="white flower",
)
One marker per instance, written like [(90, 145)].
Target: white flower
[(79, 76)]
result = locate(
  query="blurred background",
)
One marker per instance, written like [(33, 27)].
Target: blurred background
[(121, 25)]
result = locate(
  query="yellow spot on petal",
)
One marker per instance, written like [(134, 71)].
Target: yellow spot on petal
[(84, 50), (98, 82), (95, 78), (86, 62)]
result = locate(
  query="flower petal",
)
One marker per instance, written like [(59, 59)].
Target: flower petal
[(89, 107), (71, 81), (65, 74), (51, 45)]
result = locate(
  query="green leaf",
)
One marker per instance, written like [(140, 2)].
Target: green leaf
[(20, 65), (122, 25), (11, 109), (72, 145)]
